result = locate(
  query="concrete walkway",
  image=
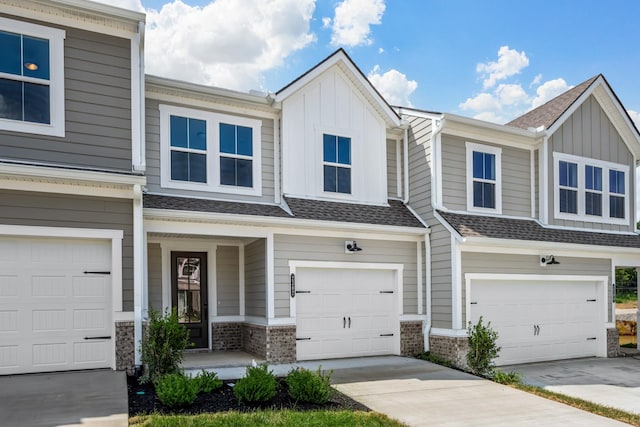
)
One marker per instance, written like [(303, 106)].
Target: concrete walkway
[(70, 399), (420, 393), (612, 382)]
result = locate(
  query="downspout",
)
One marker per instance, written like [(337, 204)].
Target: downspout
[(427, 262), (437, 126), (405, 160), (138, 272)]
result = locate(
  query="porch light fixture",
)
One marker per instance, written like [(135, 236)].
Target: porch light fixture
[(548, 260), (351, 246)]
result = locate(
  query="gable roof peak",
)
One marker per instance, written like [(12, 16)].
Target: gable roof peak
[(549, 112)]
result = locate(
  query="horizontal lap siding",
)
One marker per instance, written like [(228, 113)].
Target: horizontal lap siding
[(420, 167), (154, 275), (440, 276), (153, 157), (53, 210), (530, 264), (97, 108), (332, 250), (227, 280), (255, 278), (589, 133)]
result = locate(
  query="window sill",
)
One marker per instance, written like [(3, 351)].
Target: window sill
[(590, 218), (208, 188), (33, 128)]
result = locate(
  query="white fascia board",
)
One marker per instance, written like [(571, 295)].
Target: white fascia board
[(407, 111), (263, 221), (465, 127), (91, 16), (44, 172), (492, 245), (336, 58)]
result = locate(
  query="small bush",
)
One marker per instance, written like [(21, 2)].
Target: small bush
[(164, 344), (482, 348), (507, 378), (208, 381), (435, 359), (258, 385), (175, 390), (308, 386)]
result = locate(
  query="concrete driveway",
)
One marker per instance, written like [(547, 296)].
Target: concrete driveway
[(612, 382), (81, 398), (420, 393)]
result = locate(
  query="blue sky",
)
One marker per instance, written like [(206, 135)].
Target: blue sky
[(492, 60)]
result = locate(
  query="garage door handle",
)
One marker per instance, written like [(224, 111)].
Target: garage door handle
[(98, 338), (97, 272), (303, 292), (386, 292), (386, 335), (591, 339), (344, 322), (303, 339), (349, 322), (591, 300)]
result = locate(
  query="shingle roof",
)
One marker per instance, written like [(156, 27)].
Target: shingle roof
[(396, 214), (523, 229), (154, 201), (547, 114)]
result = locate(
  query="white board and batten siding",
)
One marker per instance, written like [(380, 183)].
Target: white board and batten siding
[(346, 312), (55, 304), (331, 104)]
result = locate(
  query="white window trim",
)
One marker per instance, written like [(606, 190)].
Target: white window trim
[(354, 166), (56, 79), (213, 121), (496, 151), (581, 215), (339, 165)]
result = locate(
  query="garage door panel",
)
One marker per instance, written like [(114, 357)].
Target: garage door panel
[(49, 305), (539, 321)]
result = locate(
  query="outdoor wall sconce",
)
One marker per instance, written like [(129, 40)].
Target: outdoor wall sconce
[(351, 246), (548, 260)]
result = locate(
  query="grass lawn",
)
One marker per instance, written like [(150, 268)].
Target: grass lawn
[(285, 418)]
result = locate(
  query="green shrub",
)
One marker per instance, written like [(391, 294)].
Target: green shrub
[(308, 386), (482, 348), (163, 347), (208, 381), (502, 377), (176, 389), (435, 359), (258, 385)]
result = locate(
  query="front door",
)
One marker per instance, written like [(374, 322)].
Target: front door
[(189, 293)]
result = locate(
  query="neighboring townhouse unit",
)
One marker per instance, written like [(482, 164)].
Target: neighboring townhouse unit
[(71, 163), (273, 223), (529, 221)]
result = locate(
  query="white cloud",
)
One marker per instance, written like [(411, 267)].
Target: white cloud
[(326, 22), (549, 90), (124, 4), (536, 80), (482, 102), (635, 116), (509, 63), (227, 43), (380, 50), (393, 85), (511, 94), (353, 19)]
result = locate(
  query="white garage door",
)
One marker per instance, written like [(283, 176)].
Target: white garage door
[(544, 320), (55, 304), (345, 313)]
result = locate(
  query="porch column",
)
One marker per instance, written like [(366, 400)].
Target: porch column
[(270, 297)]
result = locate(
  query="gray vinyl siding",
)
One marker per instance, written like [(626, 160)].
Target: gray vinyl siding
[(440, 277), (308, 248), (97, 75), (54, 210), (392, 169), (420, 166), (589, 133), (516, 177), (228, 280), (255, 278), (154, 275), (153, 157), (530, 264)]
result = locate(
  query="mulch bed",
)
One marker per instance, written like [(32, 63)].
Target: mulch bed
[(143, 400)]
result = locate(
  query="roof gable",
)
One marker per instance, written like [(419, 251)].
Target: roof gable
[(555, 112), (356, 77)]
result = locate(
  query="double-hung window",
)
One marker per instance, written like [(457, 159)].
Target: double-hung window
[(336, 163), (207, 151), (484, 188), (590, 189), (31, 78)]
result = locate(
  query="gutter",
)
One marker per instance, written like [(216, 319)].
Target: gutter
[(435, 161)]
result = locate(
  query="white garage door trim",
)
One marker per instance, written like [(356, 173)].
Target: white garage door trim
[(398, 269), (601, 281), (115, 236)]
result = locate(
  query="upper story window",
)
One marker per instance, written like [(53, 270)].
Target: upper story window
[(484, 186), (337, 163), (31, 78), (211, 152), (590, 190)]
